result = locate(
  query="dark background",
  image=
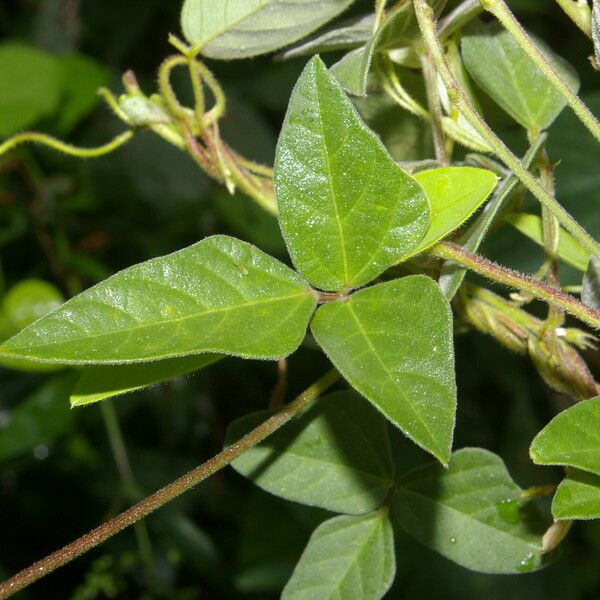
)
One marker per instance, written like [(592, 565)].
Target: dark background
[(73, 222)]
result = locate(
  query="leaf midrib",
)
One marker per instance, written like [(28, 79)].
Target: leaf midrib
[(197, 315)]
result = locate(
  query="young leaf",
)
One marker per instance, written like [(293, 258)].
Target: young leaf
[(506, 73), (454, 194), (577, 497), (335, 455), (330, 172), (470, 513), (31, 83), (40, 419), (347, 35), (569, 249), (346, 557), (400, 29), (393, 342), (104, 381), (590, 292), (219, 295), (244, 28), (571, 438)]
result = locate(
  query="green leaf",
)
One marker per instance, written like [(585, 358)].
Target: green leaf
[(393, 342), (571, 438), (590, 292), (219, 295), (577, 497), (102, 382), (335, 455), (330, 172), (352, 70), (244, 28), (452, 275), (454, 194), (39, 419), (347, 35), (569, 249), (506, 73), (470, 513), (346, 557), (30, 86), (400, 29), (29, 300)]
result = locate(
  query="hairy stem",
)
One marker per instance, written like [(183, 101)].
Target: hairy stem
[(518, 281), (459, 97), (499, 9), (166, 494)]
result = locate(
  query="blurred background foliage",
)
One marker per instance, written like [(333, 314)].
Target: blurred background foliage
[(66, 224)]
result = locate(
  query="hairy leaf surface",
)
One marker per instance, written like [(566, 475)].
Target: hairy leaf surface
[(335, 455), (572, 438), (577, 497), (393, 342), (346, 557), (347, 211), (219, 295), (243, 28), (470, 513)]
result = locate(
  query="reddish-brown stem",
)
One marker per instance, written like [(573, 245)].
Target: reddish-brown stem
[(166, 494), (518, 281)]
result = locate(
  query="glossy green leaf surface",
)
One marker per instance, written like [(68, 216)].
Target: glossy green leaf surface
[(102, 382), (454, 194), (335, 455), (219, 295), (346, 557), (39, 419), (504, 71), (572, 438), (347, 35), (470, 513), (393, 342), (569, 249), (242, 28), (577, 497), (331, 172), (30, 84), (590, 291)]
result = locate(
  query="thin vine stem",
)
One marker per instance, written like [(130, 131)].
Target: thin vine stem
[(58, 145), (501, 11), (519, 281), (435, 109), (169, 492), (459, 97)]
